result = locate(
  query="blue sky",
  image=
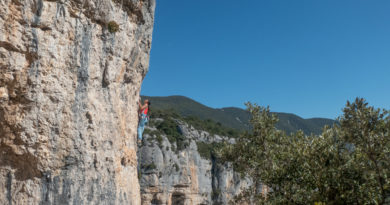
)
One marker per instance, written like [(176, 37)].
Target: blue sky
[(306, 57)]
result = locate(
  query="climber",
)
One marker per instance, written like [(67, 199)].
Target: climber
[(143, 114)]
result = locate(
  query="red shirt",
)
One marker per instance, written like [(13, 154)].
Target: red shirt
[(145, 111)]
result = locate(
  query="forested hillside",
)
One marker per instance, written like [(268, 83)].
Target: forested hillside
[(235, 118)]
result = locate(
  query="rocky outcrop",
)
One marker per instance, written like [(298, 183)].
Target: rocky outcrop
[(173, 177), (69, 85)]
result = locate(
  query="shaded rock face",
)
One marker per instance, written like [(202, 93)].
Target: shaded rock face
[(173, 177), (68, 99)]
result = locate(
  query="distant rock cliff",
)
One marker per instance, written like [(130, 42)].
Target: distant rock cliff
[(70, 77), (173, 176)]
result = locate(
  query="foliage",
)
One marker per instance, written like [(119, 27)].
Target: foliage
[(176, 167), (168, 126), (187, 107), (113, 27), (166, 122), (215, 193), (207, 151), (159, 140), (151, 132), (204, 149), (211, 126), (207, 125), (154, 135), (348, 164), (149, 166), (172, 130)]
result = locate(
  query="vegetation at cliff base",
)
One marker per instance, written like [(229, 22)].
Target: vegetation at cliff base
[(347, 164)]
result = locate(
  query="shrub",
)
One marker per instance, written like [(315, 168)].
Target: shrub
[(147, 131), (159, 140), (113, 27), (176, 167), (149, 166), (207, 151), (170, 128), (150, 139), (204, 150), (215, 193)]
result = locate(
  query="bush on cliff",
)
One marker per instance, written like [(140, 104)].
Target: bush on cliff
[(208, 150), (171, 129), (113, 27)]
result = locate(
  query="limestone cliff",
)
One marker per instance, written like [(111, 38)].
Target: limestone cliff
[(70, 77), (172, 175)]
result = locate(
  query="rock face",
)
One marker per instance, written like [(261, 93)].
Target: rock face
[(69, 87), (174, 177)]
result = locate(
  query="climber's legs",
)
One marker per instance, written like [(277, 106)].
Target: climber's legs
[(140, 131), (141, 126)]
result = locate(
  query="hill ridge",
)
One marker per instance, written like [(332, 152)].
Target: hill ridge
[(235, 117)]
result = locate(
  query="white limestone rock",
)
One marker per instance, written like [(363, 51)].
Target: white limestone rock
[(68, 99)]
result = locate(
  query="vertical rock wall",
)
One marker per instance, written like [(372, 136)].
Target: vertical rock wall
[(182, 177), (68, 99)]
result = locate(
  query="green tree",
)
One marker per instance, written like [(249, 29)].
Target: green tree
[(348, 163)]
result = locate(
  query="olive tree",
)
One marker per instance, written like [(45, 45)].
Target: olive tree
[(349, 163)]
